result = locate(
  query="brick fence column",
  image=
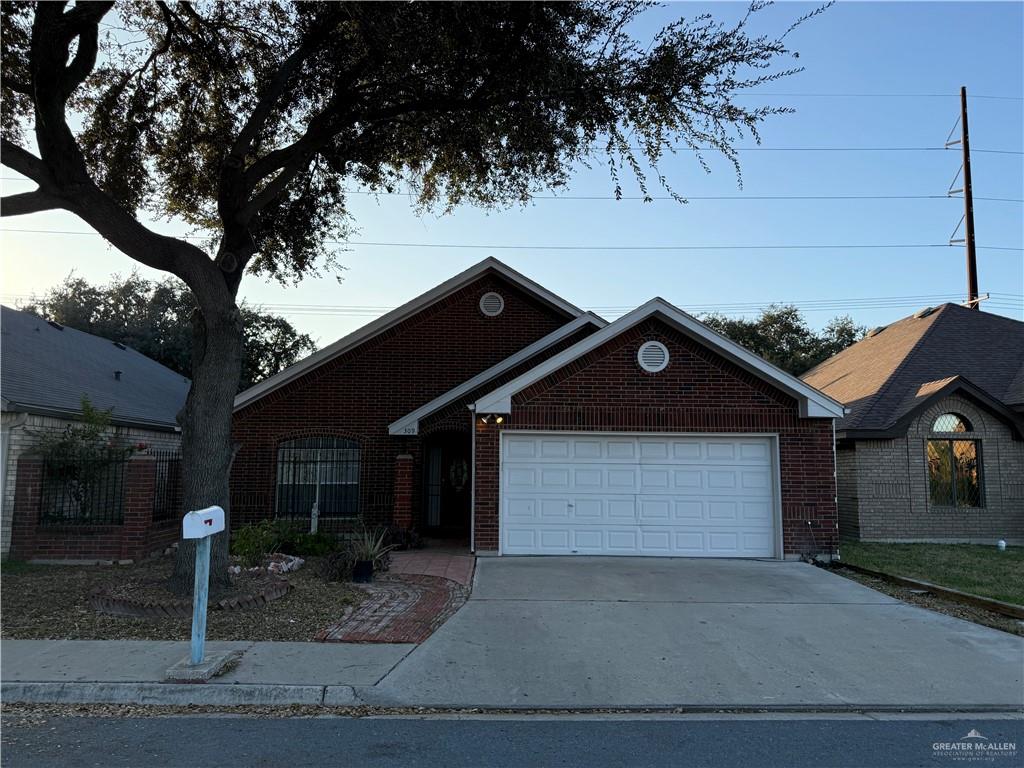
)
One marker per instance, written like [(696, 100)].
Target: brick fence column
[(139, 492), (403, 491), (28, 489)]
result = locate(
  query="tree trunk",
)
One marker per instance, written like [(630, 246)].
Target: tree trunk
[(206, 449)]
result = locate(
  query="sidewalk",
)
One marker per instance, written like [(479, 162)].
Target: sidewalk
[(131, 671)]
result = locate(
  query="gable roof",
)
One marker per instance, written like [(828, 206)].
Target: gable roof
[(409, 424), (396, 316), (885, 377), (46, 368), (813, 403)]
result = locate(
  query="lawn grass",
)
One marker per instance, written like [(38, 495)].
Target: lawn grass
[(975, 568), (10, 567)]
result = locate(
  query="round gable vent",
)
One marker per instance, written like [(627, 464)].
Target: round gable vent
[(652, 356), (491, 304)]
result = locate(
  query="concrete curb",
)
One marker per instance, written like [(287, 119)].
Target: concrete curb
[(235, 695), (171, 694)]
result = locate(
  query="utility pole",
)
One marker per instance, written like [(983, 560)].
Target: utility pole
[(972, 257)]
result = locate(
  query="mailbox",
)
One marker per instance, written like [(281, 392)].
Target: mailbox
[(202, 523)]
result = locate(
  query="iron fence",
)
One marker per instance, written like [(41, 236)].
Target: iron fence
[(167, 501), (81, 490)]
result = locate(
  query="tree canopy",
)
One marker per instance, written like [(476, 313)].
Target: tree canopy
[(153, 318), (781, 335), (247, 120), (251, 121)]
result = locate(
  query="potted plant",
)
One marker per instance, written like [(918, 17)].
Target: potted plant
[(368, 549)]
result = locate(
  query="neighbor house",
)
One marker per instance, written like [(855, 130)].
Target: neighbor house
[(931, 449), (491, 410), (45, 370)]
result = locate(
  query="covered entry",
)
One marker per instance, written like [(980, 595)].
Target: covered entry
[(447, 485)]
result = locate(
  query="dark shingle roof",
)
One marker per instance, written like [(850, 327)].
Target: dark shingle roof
[(884, 377), (45, 369)]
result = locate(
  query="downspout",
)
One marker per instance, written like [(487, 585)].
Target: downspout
[(835, 481), (472, 479)]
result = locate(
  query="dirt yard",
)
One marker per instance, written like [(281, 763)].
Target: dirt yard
[(52, 602)]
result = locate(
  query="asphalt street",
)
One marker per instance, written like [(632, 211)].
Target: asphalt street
[(240, 742)]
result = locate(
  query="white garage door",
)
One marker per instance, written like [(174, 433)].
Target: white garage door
[(568, 493)]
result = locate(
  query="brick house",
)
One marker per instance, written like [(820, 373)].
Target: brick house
[(493, 411), (45, 370), (932, 447)]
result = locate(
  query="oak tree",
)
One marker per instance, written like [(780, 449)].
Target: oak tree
[(249, 121), (781, 335)]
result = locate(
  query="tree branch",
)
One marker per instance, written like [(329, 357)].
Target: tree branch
[(29, 202), (24, 162), (82, 64)]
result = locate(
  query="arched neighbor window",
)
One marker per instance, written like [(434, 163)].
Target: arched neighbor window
[(954, 464), (318, 474)]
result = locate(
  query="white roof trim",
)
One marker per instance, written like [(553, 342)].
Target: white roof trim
[(813, 404), (396, 316), (410, 423)]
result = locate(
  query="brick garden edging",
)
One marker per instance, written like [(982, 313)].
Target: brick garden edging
[(996, 606), (404, 608), (182, 609)]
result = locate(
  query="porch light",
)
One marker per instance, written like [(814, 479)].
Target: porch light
[(499, 419), (485, 419)]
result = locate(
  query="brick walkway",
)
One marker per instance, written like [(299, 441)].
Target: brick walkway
[(406, 604), (458, 568)]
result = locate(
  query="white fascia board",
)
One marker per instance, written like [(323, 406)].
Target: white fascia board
[(410, 423), (813, 404), (395, 316)]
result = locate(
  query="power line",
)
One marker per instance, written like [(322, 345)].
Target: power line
[(506, 247), (728, 198), (997, 301), (998, 97), (725, 197), (841, 149)]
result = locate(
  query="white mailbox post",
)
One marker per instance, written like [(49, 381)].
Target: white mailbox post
[(201, 525)]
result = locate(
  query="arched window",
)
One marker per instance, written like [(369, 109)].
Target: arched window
[(954, 465), (317, 476), (951, 422)]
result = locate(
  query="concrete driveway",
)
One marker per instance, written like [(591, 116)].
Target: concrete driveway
[(596, 632)]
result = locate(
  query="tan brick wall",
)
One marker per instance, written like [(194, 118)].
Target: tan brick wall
[(890, 482), (846, 491), (21, 433)]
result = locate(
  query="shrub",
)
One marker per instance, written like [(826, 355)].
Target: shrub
[(252, 543), (404, 538), (337, 566), (310, 544)]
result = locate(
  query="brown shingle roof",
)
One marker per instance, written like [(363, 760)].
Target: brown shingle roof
[(884, 377)]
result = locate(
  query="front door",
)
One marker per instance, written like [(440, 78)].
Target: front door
[(447, 485)]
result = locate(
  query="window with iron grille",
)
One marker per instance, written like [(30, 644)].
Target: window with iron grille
[(954, 465), (319, 473)]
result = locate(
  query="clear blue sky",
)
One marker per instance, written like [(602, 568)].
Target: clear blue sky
[(855, 48)]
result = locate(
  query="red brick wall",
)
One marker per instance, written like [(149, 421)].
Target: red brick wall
[(134, 539), (455, 416), (700, 391), (358, 394)]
